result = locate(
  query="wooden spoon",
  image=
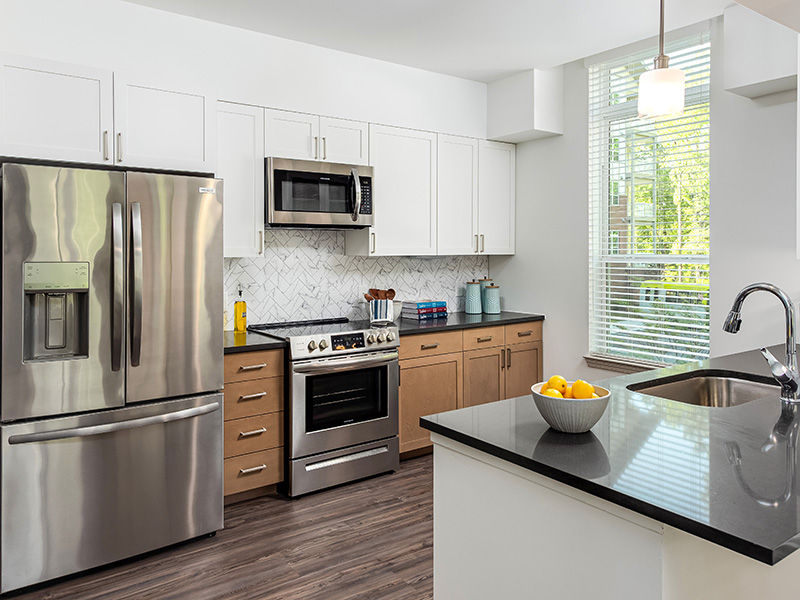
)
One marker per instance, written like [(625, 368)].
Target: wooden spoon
[(369, 298), (390, 294), (374, 293)]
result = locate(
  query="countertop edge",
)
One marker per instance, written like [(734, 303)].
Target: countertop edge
[(413, 328), (760, 553)]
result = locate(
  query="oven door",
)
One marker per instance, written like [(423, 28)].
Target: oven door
[(343, 401), (310, 193)]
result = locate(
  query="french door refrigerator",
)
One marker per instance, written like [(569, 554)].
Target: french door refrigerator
[(111, 411)]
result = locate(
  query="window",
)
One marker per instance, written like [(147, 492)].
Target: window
[(648, 213)]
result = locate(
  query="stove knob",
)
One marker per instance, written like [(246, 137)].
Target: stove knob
[(370, 339), (312, 345), (390, 337), (381, 338), (323, 344)]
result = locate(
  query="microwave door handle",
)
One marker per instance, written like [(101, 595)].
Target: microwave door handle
[(357, 181)]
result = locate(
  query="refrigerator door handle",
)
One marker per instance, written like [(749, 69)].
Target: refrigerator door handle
[(136, 283), (118, 285), (75, 432)]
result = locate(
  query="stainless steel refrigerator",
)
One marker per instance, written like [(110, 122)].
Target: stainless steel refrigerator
[(111, 411)]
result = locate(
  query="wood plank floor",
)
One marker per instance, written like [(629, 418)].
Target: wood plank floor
[(372, 540)]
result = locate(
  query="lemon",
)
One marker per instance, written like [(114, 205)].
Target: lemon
[(568, 392), (582, 389), (557, 382), (552, 393)]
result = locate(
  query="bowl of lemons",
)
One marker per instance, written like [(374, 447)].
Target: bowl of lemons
[(570, 407)]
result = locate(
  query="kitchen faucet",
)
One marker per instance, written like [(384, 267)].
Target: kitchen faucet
[(786, 374)]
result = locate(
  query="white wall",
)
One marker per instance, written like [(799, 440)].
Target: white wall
[(753, 197), (243, 66)]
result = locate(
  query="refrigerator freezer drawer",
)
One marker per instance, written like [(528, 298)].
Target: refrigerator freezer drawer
[(87, 490)]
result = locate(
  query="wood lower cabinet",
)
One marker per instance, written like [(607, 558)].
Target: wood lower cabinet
[(484, 376), (523, 368), (428, 385)]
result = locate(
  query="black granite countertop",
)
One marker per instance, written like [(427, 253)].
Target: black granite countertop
[(460, 320), (250, 341), (706, 471)]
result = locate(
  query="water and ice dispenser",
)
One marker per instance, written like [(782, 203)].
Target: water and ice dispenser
[(56, 317)]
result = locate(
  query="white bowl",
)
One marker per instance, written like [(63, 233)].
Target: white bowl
[(571, 415)]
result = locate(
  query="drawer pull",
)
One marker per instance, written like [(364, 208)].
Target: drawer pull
[(429, 346), (252, 470), (247, 434), (508, 358), (524, 333), (485, 339), (252, 396), (252, 367)]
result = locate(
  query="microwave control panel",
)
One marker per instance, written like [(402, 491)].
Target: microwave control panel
[(366, 196)]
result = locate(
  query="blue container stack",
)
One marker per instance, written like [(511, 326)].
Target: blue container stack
[(423, 310)]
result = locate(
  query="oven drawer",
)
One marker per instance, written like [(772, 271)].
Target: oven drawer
[(252, 434), (243, 366), (253, 470), (253, 398), (485, 337), (429, 344)]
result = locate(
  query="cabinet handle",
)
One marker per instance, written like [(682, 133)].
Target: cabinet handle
[(373, 243), (324, 147), (485, 339), (429, 346), (119, 147), (257, 469), (524, 333), (261, 241), (105, 145), (253, 396), (252, 367), (316, 147), (247, 434), (502, 359), (483, 244), (476, 243), (508, 357)]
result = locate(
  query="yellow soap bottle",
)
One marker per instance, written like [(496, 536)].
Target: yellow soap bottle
[(240, 314)]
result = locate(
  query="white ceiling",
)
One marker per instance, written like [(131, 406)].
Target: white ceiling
[(475, 39)]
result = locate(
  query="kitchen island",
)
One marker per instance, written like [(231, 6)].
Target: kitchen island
[(661, 500)]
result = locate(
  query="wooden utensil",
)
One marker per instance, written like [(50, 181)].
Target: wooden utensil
[(374, 293), (390, 294), (369, 298)]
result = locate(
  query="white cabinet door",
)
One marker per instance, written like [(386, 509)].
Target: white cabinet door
[(161, 128), (51, 110), (457, 222), (240, 163), (291, 135), (496, 197), (404, 191), (344, 141)]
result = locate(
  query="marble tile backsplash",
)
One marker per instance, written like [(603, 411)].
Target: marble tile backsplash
[(305, 274)]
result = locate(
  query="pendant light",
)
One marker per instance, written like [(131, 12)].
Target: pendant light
[(662, 90)]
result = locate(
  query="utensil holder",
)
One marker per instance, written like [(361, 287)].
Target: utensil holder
[(381, 311)]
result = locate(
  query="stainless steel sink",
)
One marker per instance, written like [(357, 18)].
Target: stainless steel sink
[(718, 389)]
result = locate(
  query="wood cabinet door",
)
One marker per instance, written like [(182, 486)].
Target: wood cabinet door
[(428, 386), (523, 368), (53, 110), (405, 191), (457, 208), (484, 379), (496, 197), (344, 141), (291, 135), (240, 162), (161, 128)]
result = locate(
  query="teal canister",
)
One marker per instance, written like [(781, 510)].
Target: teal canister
[(486, 281), (492, 304), (473, 298)]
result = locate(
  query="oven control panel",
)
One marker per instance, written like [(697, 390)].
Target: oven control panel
[(367, 340)]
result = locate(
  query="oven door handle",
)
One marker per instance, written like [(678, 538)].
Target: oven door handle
[(345, 364)]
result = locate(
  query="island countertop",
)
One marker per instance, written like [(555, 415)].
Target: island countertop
[(698, 469)]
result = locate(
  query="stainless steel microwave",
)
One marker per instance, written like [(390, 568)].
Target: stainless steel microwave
[(307, 193)]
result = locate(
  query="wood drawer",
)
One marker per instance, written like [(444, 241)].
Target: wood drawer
[(243, 366), (485, 337), (252, 398), (430, 344), (272, 472), (519, 333), (252, 434)]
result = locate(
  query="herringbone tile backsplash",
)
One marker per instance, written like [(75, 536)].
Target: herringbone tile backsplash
[(306, 275)]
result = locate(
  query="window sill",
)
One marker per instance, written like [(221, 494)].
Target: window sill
[(619, 365)]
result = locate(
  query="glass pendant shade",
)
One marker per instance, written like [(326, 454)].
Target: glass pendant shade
[(661, 92)]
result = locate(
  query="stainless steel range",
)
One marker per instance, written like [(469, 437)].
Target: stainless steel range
[(343, 382)]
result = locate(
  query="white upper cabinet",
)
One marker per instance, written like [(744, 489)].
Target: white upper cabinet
[(404, 188), (51, 110), (291, 135), (240, 162), (344, 141), (161, 128), (457, 210), (526, 106), (496, 197)]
